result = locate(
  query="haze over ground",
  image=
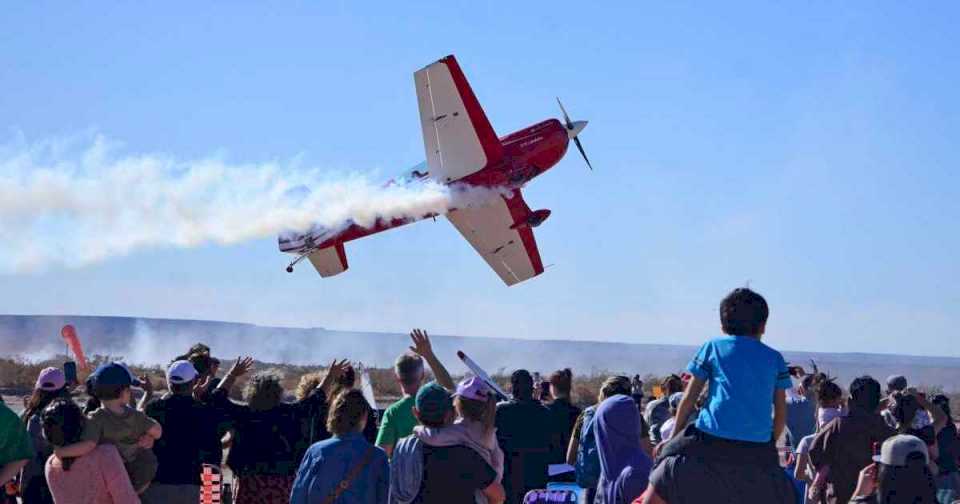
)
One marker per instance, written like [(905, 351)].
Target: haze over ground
[(809, 150), (156, 341)]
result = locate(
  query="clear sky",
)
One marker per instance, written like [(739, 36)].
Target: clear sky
[(808, 149)]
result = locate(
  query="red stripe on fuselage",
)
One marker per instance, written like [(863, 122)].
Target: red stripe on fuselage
[(527, 153)]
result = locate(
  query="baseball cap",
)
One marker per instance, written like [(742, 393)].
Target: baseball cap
[(51, 379), (181, 372), (473, 388), (433, 402), (897, 449), (897, 382), (114, 373)]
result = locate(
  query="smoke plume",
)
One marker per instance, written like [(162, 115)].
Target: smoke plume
[(83, 200)]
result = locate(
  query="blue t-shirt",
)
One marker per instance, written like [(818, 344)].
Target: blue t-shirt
[(742, 373)]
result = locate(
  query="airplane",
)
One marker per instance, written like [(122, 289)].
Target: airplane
[(462, 148)]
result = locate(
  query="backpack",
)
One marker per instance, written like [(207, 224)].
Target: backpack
[(587, 468)]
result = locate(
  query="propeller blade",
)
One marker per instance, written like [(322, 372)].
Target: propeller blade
[(582, 153), (565, 116)]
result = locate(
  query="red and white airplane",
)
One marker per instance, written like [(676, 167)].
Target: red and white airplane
[(462, 148)]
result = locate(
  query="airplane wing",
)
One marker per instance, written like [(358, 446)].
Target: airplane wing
[(457, 136), (510, 249)]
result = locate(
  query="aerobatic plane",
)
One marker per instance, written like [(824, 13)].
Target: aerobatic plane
[(462, 148)]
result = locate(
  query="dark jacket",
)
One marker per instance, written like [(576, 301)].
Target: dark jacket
[(524, 435), (846, 446)]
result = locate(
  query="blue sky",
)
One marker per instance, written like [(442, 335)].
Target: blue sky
[(806, 149)]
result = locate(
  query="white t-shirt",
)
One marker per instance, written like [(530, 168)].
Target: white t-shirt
[(666, 430), (804, 445)]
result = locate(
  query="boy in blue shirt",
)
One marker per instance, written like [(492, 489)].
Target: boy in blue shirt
[(744, 375)]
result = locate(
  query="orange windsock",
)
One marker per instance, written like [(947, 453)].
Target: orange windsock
[(69, 335)]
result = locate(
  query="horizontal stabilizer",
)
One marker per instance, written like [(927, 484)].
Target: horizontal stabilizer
[(329, 261)]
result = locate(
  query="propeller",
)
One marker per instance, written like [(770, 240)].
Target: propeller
[(573, 129)]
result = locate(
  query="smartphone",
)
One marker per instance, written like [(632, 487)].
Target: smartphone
[(70, 372)]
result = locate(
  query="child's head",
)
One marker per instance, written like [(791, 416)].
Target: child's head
[(744, 313), (112, 382), (829, 394)]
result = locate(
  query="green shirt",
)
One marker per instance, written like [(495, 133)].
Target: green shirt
[(124, 431), (14, 441), (397, 423)]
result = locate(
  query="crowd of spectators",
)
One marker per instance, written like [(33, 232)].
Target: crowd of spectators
[(737, 425)]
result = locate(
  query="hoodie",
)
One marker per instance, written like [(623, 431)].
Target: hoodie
[(624, 468), (406, 466)]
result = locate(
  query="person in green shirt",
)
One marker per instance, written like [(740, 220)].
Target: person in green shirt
[(398, 420), (15, 447)]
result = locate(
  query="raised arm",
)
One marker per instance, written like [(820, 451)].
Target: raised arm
[(423, 348), (240, 367), (147, 386), (688, 404)]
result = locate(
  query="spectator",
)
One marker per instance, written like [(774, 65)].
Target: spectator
[(191, 433), (829, 397), (15, 448), (802, 410), (264, 455), (900, 474), (582, 452), (844, 447), (315, 423), (51, 385), (398, 420), (444, 463), (910, 412), (345, 468), (658, 411), (730, 452), (563, 413), (624, 466), (523, 431), (348, 381), (743, 375), (898, 384), (116, 423), (948, 479), (98, 477), (666, 430)]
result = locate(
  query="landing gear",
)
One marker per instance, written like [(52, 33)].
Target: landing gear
[(299, 258)]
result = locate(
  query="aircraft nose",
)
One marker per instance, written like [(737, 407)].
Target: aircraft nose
[(576, 128)]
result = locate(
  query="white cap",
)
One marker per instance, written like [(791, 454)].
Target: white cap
[(181, 372)]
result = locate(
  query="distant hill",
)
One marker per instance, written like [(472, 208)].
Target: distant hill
[(157, 341)]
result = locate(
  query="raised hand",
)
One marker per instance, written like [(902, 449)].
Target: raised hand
[(240, 367), (334, 372), (200, 389), (421, 343), (146, 384)]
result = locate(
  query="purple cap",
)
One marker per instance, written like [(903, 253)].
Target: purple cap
[(473, 388), (51, 379)]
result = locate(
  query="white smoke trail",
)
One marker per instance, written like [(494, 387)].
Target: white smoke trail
[(81, 200)]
